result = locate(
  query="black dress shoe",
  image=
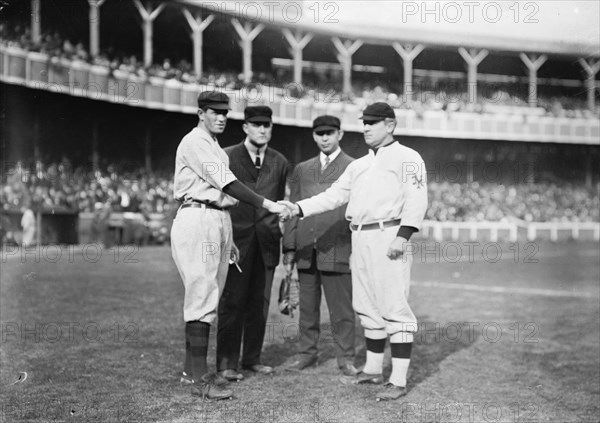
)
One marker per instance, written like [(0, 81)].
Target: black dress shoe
[(260, 368), (207, 388), (301, 363), (231, 375)]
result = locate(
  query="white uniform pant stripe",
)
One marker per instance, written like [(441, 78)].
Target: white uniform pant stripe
[(380, 285), (201, 242)]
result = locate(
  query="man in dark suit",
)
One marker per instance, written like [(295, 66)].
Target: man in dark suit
[(320, 247), (244, 305)]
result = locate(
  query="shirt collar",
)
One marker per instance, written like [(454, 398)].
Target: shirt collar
[(332, 156), (374, 151), (206, 133), (252, 149)]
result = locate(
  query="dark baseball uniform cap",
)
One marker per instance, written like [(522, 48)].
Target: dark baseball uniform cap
[(377, 111), (258, 114), (326, 123), (213, 100)]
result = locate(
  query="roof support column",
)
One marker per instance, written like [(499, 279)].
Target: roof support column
[(94, 19), (346, 49), (408, 53), (148, 15), (473, 59), (247, 34), (36, 20), (533, 63), (297, 43), (591, 68), (197, 25)]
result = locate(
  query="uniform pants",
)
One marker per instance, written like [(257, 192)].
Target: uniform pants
[(380, 285), (201, 242), (338, 294), (243, 310)]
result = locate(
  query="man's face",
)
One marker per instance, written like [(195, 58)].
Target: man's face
[(328, 140), (376, 132), (214, 120), (258, 132)]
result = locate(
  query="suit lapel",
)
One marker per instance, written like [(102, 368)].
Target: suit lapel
[(246, 161)]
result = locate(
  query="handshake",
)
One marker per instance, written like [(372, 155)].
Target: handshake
[(285, 209)]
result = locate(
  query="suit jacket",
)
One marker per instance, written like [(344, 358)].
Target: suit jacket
[(328, 232), (249, 221)]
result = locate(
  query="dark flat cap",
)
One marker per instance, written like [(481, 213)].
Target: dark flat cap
[(326, 123), (213, 100), (258, 114), (378, 111)]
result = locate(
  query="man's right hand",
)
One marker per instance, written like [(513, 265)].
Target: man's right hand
[(289, 259)]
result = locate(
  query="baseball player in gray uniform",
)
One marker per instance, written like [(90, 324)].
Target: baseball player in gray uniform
[(387, 198), (201, 236)]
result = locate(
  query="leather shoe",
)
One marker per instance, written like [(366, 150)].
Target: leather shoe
[(348, 369), (186, 379), (260, 368), (368, 378), (390, 392), (231, 375), (207, 388), (301, 363)]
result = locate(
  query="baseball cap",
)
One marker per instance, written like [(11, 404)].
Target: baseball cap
[(377, 111), (213, 100), (258, 114), (326, 123)]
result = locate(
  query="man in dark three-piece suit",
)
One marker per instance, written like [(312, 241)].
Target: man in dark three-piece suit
[(244, 305), (320, 247)]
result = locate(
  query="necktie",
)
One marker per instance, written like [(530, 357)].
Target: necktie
[(257, 162), (326, 164)]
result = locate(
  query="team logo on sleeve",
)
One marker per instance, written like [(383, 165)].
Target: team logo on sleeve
[(418, 181)]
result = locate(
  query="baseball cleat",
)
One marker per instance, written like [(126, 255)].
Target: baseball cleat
[(368, 378), (390, 392)]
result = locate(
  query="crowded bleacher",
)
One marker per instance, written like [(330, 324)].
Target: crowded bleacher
[(442, 95), (58, 187)]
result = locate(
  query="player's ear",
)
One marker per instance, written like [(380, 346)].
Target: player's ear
[(341, 134), (245, 127)]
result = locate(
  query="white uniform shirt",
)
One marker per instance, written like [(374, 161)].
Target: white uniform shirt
[(378, 187), (202, 170)]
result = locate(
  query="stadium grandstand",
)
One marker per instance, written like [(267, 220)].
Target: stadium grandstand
[(96, 95)]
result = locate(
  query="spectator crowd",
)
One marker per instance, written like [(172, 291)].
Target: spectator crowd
[(60, 187), (448, 96)]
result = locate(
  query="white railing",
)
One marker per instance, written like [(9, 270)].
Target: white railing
[(511, 231), (37, 70)]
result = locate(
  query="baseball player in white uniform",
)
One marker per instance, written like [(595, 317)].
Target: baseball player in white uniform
[(386, 194), (201, 236)]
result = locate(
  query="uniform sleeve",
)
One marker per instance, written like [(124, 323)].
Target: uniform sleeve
[(335, 196), (203, 160), (415, 204), (291, 226)]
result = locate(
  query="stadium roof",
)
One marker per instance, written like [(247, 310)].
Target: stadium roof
[(554, 27)]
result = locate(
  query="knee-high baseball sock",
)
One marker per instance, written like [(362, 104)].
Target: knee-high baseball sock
[(375, 348), (400, 362), (198, 334), (187, 366)]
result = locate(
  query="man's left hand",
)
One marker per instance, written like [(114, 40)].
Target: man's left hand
[(397, 248)]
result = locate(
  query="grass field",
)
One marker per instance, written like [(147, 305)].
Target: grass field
[(507, 333)]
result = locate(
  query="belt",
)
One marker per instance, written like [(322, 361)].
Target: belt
[(201, 205), (377, 225)]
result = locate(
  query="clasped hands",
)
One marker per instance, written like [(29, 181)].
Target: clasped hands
[(285, 209)]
